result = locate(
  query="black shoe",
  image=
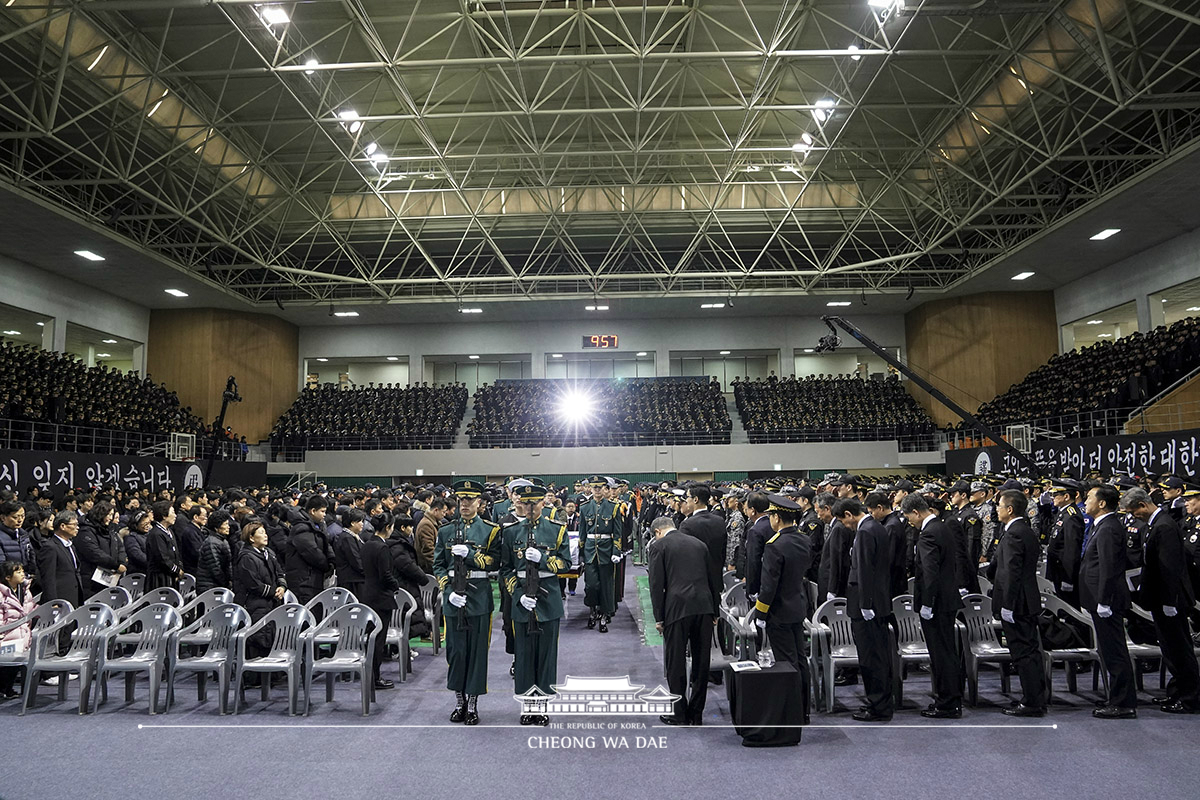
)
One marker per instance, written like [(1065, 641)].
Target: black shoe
[(529, 719), (10, 694), (458, 714), (842, 679), (604, 624), (471, 718), (383, 683), (592, 621), (666, 719), (1177, 708), (864, 715), (942, 713), (1164, 701), (1022, 710), (1115, 712), (512, 668)]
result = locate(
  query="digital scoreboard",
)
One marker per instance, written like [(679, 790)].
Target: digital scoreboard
[(600, 341)]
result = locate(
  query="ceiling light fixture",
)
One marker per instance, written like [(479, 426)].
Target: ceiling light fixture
[(371, 148), (89, 255), (345, 313), (274, 15), (854, 49), (1193, 308), (822, 111), (1095, 322), (312, 64), (470, 311), (103, 355), (712, 305), (393, 358), (642, 354), (109, 341), (595, 308), (159, 103), (1104, 335), (41, 324), (556, 355), (1020, 276), (723, 353), (176, 293), (1106, 233), (96, 60), (473, 357), (12, 333), (808, 350), (838, 303), (322, 360)]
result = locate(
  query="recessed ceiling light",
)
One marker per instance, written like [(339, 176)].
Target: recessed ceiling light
[(838, 303), (723, 353), (176, 293), (311, 63), (1020, 276), (556, 355), (854, 49), (472, 357), (89, 255), (642, 353), (103, 355), (1104, 234), (109, 341), (808, 350), (345, 313), (274, 15), (1190, 308), (712, 305), (12, 333), (41, 324), (322, 359), (470, 311), (393, 358), (595, 308), (1104, 335), (1095, 322)]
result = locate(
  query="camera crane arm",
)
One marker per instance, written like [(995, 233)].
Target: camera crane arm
[(833, 341)]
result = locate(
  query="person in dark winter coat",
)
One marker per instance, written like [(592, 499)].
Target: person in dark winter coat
[(190, 527), (308, 556), (163, 564), (258, 583), (215, 567), (98, 544), (347, 551), (134, 542), (404, 563)]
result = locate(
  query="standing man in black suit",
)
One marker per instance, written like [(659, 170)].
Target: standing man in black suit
[(1104, 593), (935, 593), (879, 506), (868, 604), (684, 594), (1167, 592), (378, 593), (58, 564), (835, 553), (1016, 601), (758, 530), (705, 525)]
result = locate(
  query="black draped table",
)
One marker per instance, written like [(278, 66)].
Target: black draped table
[(767, 705)]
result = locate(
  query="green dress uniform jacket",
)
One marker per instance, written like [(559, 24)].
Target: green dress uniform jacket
[(483, 542), (551, 538)]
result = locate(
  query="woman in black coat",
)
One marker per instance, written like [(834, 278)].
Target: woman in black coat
[(258, 583), (134, 542), (163, 564), (409, 575), (215, 567), (347, 551), (98, 544)]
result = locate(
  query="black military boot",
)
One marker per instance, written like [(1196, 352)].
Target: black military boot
[(529, 719), (460, 708), (592, 617), (604, 624), (471, 718)]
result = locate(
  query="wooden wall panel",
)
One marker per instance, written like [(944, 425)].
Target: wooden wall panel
[(195, 351), (975, 347), (1178, 411)]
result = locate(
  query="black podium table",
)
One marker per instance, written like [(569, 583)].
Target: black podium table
[(767, 705)]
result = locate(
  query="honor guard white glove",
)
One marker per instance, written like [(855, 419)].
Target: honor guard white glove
[(1103, 611), (533, 555), (762, 623), (1067, 587), (829, 595), (529, 603), (1007, 615), (458, 600), (616, 559), (868, 614), (460, 550), (1170, 611), (926, 612), (963, 592)]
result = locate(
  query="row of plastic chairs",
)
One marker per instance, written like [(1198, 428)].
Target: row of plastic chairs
[(152, 631)]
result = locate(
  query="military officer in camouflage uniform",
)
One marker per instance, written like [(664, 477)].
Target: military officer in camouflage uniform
[(601, 525), (534, 616), (468, 615)]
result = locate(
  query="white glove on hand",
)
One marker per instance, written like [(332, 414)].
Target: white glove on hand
[(963, 593), (829, 595), (458, 600), (616, 559), (1103, 611), (1068, 587), (1170, 611), (761, 623), (926, 612), (868, 614), (460, 550), (528, 602), (1007, 615), (533, 555)]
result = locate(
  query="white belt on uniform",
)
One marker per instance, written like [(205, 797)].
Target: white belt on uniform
[(599, 536), (475, 573)]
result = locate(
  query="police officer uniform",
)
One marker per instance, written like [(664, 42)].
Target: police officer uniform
[(601, 526), (536, 609), (469, 627), (783, 594), (1066, 544), (1175, 506)]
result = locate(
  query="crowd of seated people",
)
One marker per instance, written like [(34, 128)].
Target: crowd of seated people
[(373, 417), (1090, 391), (619, 412), (819, 408), (53, 401)]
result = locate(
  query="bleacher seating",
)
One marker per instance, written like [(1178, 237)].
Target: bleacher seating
[(373, 417), (1084, 391), (820, 409), (622, 412)]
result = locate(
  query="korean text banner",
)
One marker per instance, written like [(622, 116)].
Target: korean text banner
[(21, 469), (1175, 453)]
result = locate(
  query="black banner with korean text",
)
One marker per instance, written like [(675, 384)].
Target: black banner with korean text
[(1175, 453), (21, 469)]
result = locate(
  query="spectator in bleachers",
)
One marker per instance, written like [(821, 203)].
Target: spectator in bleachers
[(390, 416), (1079, 392), (824, 408)]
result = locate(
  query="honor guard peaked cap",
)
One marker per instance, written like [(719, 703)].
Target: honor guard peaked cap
[(467, 488), (517, 482), (597, 480), (781, 503), (530, 492)]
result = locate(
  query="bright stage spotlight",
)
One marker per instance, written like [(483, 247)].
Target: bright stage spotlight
[(576, 407)]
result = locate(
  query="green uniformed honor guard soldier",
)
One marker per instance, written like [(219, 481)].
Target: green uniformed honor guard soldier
[(473, 544), (536, 542), (601, 525)]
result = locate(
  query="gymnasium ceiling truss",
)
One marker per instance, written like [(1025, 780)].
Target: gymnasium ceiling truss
[(376, 150)]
